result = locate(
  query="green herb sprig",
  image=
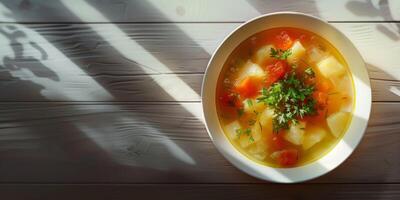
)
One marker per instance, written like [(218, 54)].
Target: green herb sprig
[(280, 54), (290, 98)]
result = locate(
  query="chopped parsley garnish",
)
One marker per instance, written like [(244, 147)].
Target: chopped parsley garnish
[(252, 122), (251, 138), (280, 54), (239, 132), (240, 112), (310, 72), (246, 131), (249, 102), (290, 98)]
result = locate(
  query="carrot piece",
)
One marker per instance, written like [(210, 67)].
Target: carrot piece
[(324, 85), (283, 41), (321, 98), (249, 87)]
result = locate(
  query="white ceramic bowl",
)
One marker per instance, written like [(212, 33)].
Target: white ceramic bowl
[(362, 98)]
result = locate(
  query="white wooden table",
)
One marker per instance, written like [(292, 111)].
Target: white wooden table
[(101, 99)]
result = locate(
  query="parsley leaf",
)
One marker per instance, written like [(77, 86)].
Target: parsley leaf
[(252, 122), (309, 71), (240, 112), (251, 138), (239, 132), (246, 131), (280, 54), (249, 102)]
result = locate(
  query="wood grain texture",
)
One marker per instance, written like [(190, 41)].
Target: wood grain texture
[(154, 143), (63, 62), (195, 11), (85, 112), (203, 191)]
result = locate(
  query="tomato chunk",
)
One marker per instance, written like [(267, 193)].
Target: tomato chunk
[(304, 38), (276, 71), (277, 142), (321, 98), (318, 117), (283, 41), (230, 99), (249, 87), (288, 157), (229, 104)]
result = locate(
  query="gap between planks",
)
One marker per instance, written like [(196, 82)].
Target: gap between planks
[(186, 22)]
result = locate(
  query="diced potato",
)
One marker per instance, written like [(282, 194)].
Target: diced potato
[(275, 154), (263, 54), (245, 140), (260, 156), (337, 122), (250, 69), (231, 128), (266, 120), (252, 106), (315, 54), (266, 117), (330, 67), (313, 136), (256, 132), (295, 135), (297, 52), (259, 150)]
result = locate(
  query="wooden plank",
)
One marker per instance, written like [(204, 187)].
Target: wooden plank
[(154, 143), (204, 191), (189, 11), (145, 88), (62, 62)]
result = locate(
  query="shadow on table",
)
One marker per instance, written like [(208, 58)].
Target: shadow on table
[(115, 145), (381, 8), (264, 7)]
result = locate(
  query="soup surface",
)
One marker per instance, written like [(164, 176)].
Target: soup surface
[(285, 97)]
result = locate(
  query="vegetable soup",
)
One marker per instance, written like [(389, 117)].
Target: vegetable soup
[(285, 97)]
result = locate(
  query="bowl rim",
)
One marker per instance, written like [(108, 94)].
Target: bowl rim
[(244, 164)]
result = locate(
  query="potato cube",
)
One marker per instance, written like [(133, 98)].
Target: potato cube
[(330, 67), (266, 120), (297, 52), (231, 129), (266, 117), (337, 122), (315, 54), (295, 135), (313, 136), (263, 54), (250, 69), (252, 106), (259, 150), (245, 140), (256, 132)]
